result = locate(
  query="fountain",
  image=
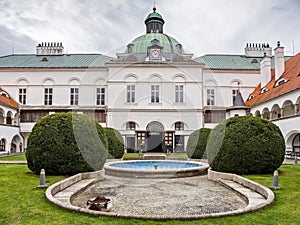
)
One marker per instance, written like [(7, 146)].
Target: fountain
[(155, 169)]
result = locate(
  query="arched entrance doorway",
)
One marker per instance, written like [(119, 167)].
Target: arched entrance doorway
[(296, 145), (155, 137), (15, 143)]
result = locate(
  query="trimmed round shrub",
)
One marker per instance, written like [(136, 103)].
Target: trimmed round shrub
[(196, 145), (246, 145), (115, 143), (66, 144)]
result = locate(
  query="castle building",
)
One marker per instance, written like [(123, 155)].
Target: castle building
[(154, 92)]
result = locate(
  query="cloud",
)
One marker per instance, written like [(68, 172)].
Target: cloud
[(214, 26)]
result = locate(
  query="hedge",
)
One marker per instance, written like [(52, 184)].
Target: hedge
[(66, 144), (246, 145), (115, 143), (197, 142)]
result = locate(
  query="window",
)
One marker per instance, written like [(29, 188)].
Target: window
[(2, 145), (98, 115), (179, 126), (130, 126), (210, 97), (48, 96), (296, 144), (234, 93), (74, 96), (130, 93), (154, 93), (32, 116), (100, 96), (214, 116), (22, 96), (179, 143), (179, 93)]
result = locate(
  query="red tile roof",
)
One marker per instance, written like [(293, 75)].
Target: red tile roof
[(292, 77), (8, 101)]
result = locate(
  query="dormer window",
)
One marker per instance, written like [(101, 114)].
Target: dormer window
[(251, 96), (254, 61), (130, 48), (280, 82), (263, 90), (4, 94)]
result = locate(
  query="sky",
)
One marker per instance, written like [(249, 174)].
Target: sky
[(107, 26)]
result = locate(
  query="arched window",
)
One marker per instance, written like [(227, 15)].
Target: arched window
[(276, 112), (130, 126), (288, 108), (257, 113), (1, 116), (9, 118), (266, 113), (296, 144), (2, 144), (179, 126)]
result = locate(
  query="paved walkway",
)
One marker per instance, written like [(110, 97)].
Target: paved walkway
[(178, 198)]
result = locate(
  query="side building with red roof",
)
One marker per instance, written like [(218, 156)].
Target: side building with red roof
[(10, 139), (277, 97)]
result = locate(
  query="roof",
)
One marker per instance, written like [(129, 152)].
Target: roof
[(54, 61), (6, 100), (154, 16), (233, 62), (292, 77), (238, 100), (141, 43)]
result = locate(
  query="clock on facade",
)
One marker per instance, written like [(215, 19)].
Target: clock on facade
[(155, 53)]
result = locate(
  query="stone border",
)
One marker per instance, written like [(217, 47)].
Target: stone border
[(155, 174), (214, 176), (256, 187)]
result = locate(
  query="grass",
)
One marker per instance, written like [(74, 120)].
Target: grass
[(171, 155), (19, 157), (22, 203)]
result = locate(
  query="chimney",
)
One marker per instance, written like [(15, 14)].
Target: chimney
[(279, 60), (265, 70)]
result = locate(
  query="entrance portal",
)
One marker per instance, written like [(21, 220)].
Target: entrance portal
[(155, 141), (155, 137)]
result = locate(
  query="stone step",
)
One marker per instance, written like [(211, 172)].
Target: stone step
[(66, 194), (253, 197)]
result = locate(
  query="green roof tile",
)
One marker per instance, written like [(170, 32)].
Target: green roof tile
[(54, 61), (232, 62)]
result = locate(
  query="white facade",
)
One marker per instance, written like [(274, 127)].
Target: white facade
[(10, 137), (153, 92)]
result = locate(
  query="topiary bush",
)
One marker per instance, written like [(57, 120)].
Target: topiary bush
[(196, 145), (246, 145), (115, 143), (66, 144)]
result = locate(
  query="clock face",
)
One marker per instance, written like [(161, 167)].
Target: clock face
[(155, 54)]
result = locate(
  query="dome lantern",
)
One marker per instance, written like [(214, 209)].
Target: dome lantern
[(154, 22)]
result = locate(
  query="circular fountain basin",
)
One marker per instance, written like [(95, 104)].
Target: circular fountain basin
[(155, 169)]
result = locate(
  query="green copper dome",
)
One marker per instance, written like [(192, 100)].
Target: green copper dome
[(154, 31), (154, 16), (141, 43)]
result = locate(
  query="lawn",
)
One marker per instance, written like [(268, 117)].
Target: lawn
[(20, 157), (22, 203)]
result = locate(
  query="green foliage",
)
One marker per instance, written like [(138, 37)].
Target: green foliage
[(31, 207), (197, 142), (65, 144), (115, 143), (246, 145)]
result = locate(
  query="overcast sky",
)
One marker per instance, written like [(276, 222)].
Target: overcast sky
[(107, 26)]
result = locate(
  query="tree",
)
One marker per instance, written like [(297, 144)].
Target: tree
[(246, 145), (66, 144)]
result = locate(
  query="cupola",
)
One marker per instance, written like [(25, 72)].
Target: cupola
[(154, 22)]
